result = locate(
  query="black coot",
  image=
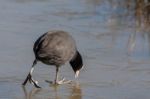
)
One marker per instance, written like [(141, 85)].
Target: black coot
[(55, 48)]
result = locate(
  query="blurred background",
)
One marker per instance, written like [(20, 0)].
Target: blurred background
[(113, 37)]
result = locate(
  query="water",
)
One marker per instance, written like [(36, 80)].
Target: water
[(112, 36)]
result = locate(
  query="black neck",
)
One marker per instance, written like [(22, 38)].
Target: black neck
[(76, 62)]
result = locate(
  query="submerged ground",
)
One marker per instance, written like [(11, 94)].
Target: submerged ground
[(112, 35)]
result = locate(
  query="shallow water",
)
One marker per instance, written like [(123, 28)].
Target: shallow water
[(111, 35)]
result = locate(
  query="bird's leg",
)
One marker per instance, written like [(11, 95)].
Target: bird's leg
[(56, 76), (56, 81), (30, 78)]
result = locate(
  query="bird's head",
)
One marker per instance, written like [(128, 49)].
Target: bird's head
[(76, 63)]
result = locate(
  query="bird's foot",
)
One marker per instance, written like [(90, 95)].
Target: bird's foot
[(63, 81), (34, 82)]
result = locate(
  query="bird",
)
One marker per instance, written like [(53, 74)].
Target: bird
[(55, 48)]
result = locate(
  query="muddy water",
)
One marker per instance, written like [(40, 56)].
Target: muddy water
[(112, 36)]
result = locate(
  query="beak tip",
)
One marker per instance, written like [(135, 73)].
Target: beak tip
[(77, 73)]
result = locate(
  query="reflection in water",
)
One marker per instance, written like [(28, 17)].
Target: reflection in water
[(57, 96), (131, 42), (136, 15), (31, 94), (75, 92), (142, 22)]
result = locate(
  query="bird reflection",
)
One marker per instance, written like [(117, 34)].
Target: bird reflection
[(31, 94), (75, 92)]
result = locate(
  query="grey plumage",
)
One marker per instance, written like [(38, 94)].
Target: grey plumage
[(56, 48)]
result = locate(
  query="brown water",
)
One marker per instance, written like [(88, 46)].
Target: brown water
[(112, 35)]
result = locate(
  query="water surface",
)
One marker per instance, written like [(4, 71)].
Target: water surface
[(112, 35)]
